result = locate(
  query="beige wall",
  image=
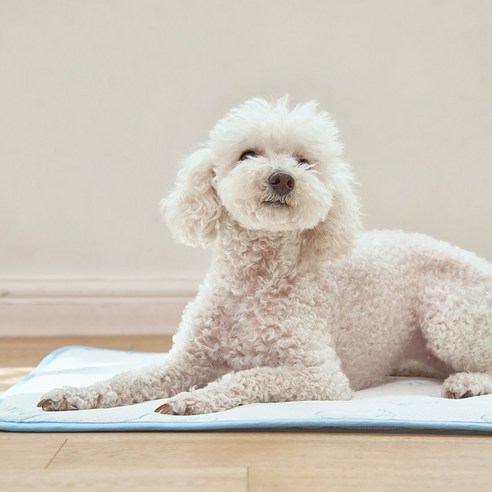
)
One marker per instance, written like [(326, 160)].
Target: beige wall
[(99, 99)]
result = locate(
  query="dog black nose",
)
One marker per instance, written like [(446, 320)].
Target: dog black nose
[(281, 183)]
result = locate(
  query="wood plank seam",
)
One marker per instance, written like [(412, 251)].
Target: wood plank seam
[(56, 454)]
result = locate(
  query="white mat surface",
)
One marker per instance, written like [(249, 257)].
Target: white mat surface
[(401, 404)]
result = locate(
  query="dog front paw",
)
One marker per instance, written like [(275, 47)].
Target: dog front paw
[(169, 409), (69, 398), (191, 403)]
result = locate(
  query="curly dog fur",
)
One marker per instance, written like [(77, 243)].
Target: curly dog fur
[(299, 302)]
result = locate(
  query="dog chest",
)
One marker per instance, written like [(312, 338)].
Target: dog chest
[(255, 330)]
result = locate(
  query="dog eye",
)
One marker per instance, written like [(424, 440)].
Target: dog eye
[(248, 153), (303, 162)]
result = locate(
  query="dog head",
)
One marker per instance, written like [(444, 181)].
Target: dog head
[(271, 168)]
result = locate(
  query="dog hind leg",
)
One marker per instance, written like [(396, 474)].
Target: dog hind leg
[(466, 384), (457, 325)]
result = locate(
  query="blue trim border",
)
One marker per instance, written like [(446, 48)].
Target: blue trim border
[(338, 425)]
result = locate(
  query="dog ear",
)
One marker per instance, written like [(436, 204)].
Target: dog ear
[(334, 236), (192, 208)]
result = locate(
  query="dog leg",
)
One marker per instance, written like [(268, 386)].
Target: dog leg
[(262, 385), (161, 381), (457, 325)]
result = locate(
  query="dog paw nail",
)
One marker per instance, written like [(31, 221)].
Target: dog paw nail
[(168, 410), (46, 405), (163, 409)]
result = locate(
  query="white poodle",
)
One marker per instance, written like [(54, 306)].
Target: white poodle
[(299, 303)]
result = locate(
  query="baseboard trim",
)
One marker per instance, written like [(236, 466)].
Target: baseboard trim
[(89, 306)]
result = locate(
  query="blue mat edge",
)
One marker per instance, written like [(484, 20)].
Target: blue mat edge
[(224, 425)]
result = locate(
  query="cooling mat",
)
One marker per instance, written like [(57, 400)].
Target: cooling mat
[(400, 404)]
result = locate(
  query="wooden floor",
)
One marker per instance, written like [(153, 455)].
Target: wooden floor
[(227, 461)]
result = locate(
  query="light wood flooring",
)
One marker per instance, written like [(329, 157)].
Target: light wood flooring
[(226, 461)]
